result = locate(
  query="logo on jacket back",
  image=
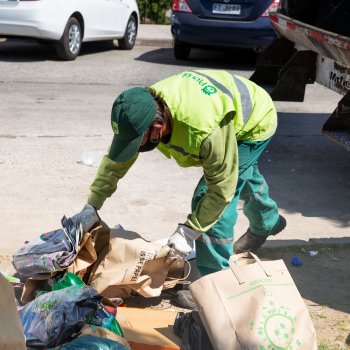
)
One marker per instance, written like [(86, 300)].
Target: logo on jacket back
[(207, 89), (115, 127)]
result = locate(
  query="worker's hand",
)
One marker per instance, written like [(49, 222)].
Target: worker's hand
[(182, 240), (88, 217)]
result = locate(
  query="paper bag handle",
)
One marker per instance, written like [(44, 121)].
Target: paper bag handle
[(171, 282), (242, 275)]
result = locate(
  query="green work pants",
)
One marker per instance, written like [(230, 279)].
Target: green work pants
[(214, 247)]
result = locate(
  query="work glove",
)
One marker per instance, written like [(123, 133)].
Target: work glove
[(88, 217), (182, 240)]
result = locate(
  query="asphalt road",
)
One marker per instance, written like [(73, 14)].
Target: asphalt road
[(52, 113)]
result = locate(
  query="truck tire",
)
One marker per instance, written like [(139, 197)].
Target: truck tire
[(181, 51), (68, 47)]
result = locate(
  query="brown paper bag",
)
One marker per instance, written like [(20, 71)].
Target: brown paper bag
[(11, 334), (34, 284), (133, 265), (253, 305), (92, 244)]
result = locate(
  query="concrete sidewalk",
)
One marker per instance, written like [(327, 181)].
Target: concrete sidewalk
[(154, 35)]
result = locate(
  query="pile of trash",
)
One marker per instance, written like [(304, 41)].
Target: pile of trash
[(62, 312), (73, 285)]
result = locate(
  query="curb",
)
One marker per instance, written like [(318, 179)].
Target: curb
[(311, 243), (163, 43)]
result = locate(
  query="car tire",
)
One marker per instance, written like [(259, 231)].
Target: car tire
[(129, 39), (181, 51), (68, 47)]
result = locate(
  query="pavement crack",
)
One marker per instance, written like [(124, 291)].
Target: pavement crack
[(9, 136)]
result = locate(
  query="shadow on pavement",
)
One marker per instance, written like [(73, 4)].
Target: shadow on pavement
[(323, 279), (16, 50), (29, 50), (306, 172), (225, 59)]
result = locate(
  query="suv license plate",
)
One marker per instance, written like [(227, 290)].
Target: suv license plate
[(227, 9)]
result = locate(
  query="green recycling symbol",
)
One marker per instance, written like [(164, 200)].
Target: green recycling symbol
[(209, 90), (279, 330)]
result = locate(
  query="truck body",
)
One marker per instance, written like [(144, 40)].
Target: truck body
[(313, 46)]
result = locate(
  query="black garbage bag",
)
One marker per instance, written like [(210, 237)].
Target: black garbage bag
[(189, 327), (56, 317)]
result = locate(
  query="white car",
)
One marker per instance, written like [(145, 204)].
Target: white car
[(68, 23)]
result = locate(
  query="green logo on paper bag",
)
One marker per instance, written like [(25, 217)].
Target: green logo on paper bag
[(276, 328)]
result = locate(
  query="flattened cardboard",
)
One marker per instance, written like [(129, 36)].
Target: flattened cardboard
[(148, 329)]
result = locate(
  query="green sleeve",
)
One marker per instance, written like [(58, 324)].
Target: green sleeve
[(219, 153), (105, 184)]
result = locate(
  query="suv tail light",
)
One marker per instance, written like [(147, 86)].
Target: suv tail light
[(180, 6), (273, 7)]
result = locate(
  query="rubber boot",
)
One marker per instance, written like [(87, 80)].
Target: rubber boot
[(251, 242)]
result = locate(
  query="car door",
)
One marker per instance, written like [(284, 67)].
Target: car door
[(116, 16), (92, 12)]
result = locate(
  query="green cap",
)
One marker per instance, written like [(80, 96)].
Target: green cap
[(132, 113)]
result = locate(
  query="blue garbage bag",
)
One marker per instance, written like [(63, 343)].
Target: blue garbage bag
[(87, 342), (56, 317)]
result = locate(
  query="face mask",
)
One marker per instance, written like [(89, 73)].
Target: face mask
[(149, 145)]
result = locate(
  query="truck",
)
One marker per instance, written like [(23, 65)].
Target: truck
[(313, 45)]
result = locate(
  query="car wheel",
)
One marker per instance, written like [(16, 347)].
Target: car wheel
[(129, 39), (68, 47), (181, 51)]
